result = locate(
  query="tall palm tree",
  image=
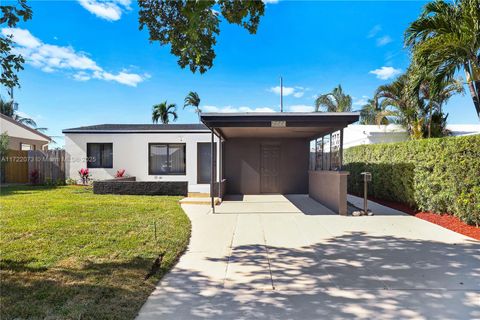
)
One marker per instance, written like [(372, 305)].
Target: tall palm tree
[(163, 111), (10, 109), (335, 101), (193, 100), (445, 39)]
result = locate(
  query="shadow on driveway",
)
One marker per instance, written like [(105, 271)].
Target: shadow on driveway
[(355, 275)]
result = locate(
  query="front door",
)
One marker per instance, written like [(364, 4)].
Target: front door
[(270, 163)]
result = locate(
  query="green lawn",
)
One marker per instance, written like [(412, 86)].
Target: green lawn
[(69, 254)]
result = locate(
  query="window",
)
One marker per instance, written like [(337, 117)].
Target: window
[(166, 158), (204, 160), (99, 155), (26, 147)]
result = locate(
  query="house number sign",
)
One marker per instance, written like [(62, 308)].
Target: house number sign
[(279, 124)]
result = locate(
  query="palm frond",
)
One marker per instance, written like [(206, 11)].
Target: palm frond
[(326, 102)]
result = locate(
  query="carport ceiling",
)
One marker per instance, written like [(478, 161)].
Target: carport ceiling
[(277, 125), (289, 132)]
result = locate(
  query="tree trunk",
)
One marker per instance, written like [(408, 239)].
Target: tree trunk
[(475, 99), (473, 91), (477, 88), (430, 122)]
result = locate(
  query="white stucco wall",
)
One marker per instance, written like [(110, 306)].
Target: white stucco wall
[(464, 129), (130, 152), (355, 135)]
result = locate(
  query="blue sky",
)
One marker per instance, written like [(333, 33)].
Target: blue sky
[(88, 63)]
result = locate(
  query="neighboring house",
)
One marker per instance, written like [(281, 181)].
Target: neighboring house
[(259, 153), (463, 129), (355, 135), (22, 137)]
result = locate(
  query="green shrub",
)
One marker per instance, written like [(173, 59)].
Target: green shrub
[(70, 181), (53, 183), (439, 175)]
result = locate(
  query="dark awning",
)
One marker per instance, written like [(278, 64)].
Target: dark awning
[(277, 125)]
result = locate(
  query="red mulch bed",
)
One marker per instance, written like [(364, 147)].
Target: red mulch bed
[(444, 220)]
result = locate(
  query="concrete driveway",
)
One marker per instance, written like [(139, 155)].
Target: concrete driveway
[(288, 257)]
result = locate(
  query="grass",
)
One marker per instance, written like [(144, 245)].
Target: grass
[(69, 254)]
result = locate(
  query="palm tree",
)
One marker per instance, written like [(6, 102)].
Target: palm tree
[(415, 101), (374, 113), (193, 100), (10, 109), (445, 39), (335, 101), (163, 111), (436, 94), (400, 105)]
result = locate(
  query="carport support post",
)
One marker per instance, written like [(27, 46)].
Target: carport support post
[(323, 151), (220, 167), (212, 172), (330, 154), (341, 150)]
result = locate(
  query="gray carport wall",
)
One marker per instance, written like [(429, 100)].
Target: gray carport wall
[(241, 154)]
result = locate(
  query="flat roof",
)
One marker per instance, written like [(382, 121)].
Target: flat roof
[(290, 115), (139, 128), (277, 124)]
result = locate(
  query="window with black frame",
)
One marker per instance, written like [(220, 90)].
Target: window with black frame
[(99, 155), (166, 159)]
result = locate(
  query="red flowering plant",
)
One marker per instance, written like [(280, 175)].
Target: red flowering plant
[(84, 175), (120, 173), (34, 176)]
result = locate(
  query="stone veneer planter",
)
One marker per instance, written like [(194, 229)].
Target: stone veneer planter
[(130, 186)]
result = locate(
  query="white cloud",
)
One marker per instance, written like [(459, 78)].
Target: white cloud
[(383, 41), (81, 76), (270, 1), (360, 101), (21, 37), (385, 73), (297, 92), (230, 109), (129, 79), (374, 31), (108, 10), (286, 90), (52, 58), (301, 108)]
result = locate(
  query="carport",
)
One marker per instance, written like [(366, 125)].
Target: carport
[(280, 153)]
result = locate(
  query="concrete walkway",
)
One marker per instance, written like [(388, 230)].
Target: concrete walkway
[(276, 257)]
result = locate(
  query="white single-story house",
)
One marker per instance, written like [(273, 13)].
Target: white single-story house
[(22, 137), (255, 153), (149, 152)]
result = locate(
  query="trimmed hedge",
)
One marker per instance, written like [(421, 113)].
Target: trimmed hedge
[(438, 175)]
